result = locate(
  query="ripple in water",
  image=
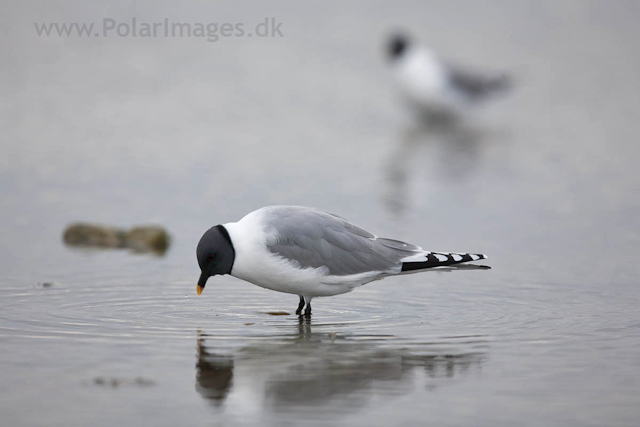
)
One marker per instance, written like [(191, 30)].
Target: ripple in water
[(126, 311)]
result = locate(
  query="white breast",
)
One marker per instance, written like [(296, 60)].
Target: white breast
[(423, 81)]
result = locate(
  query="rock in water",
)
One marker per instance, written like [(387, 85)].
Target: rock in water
[(150, 238), (83, 234), (147, 238)]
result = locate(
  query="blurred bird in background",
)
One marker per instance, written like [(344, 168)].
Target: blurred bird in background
[(435, 90)]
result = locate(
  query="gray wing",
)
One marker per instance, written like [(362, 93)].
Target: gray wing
[(313, 238), (474, 85)]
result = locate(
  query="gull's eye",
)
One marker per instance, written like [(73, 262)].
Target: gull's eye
[(212, 257)]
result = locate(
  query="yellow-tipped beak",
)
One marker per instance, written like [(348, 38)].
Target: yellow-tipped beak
[(200, 288)]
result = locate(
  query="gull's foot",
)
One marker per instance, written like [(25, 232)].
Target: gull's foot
[(300, 306)]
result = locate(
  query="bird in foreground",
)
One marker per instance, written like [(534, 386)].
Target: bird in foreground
[(311, 253), (434, 88)]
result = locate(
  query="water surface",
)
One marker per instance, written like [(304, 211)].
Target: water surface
[(187, 134)]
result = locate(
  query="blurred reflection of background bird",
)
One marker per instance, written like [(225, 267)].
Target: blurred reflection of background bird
[(435, 89)]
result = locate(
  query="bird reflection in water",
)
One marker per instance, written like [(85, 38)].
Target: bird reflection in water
[(450, 152), (308, 369), (214, 374)]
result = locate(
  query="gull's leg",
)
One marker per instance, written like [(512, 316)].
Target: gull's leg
[(301, 305), (307, 311)]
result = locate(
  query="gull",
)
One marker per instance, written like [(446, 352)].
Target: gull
[(311, 253), (434, 88)]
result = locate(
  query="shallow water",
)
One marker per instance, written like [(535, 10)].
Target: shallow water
[(188, 134)]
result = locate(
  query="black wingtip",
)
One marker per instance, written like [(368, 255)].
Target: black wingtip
[(434, 259)]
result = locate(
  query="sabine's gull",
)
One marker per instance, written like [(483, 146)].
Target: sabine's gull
[(311, 253), (434, 88)]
